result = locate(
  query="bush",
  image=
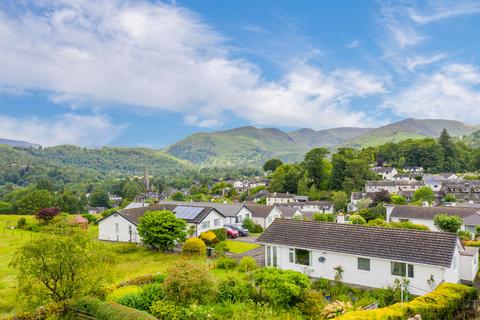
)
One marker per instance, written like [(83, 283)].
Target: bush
[(114, 311), (90, 217), (357, 219), (6, 208), (235, 290), (225, 263), (142, 280), (49, 311), (110, 211), (166, 310), (132, 300), (447, 301), (222, 248), (324, 217), (256, 229), (209, 238), (247, 264), (248, 224), (465, 235), (87, 305), (189, 282), (472, 243), (221, 234), (194, 246), (21, 223), (144, 299), (281, 287), (120, 292)]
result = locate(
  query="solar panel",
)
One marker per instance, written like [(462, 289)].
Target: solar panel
[(187, 213)]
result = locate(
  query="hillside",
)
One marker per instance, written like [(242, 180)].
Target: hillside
[(409, 129), (18, 143), (250, 145)]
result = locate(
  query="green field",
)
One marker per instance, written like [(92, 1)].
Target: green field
[(133, 260)]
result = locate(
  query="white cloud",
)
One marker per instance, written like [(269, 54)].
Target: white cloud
[(165, 57), (417, 61), (452, 92), (353, 44), (439, 10), (203, 123), (75, 129)]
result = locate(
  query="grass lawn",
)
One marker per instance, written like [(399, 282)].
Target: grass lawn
[(240, 246)]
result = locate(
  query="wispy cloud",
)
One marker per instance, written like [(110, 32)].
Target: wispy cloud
[(203, 123), (162, 56), (418, 61), (92, 130), (450, 93), (353, 44), (440, 10)]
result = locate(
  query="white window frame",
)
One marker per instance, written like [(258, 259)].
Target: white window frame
[(216, 222), (407, 269), (292, 257), (205, 225), (365, 260), (117, 227)]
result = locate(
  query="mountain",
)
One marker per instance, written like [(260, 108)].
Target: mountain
[(410, 128), (19, 143), (252, 146)]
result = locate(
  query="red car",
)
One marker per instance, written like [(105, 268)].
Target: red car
[(231, 233)]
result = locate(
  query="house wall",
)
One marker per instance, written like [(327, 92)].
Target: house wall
[(379, 275), (127, 231), (210, 218), (274, 214), (429, 223), (260, 221), (272, 201), (469, 267)]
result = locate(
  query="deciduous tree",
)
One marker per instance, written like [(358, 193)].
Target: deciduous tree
[(161, 229)]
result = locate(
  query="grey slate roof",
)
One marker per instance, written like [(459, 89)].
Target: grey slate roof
[(469, 251), (258, 210), (470, 216), (286, 211), (227, 209), (425, 247)]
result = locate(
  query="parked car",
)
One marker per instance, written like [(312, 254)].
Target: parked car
[(231, 233), (242, 232)]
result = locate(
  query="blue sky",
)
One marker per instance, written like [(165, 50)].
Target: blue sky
[(148, 73)]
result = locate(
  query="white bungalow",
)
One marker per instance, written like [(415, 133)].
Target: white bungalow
[(369, 256)]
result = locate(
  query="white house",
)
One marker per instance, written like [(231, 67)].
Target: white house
[(387, 173), (369, 256), (262, 215), (394, 186), (314, 206), (122, 225), (413, 169), (425, 215), (284, 198)]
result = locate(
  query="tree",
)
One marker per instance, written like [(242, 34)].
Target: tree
[(450, 163), (32, 201), (398, 200), (325, 217), (381, 197), (53, 267), (161, 229), (423, 194), (286, 178), (46, 215), (357, 219), (178, 196), (315, 166), (272, 165), (340, 201), (449, 198), (447, 223), (99, 198)]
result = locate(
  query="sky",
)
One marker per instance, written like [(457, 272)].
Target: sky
[(149, 73)]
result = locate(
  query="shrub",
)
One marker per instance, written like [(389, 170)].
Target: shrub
[(322, 285), (325, 217), (132, 300), (194, 246), (166, 310), (247, 264), (407, 225), (6, 208), (144, 299), (281, 287), (114, 311), (221, 234), (357, 219), (222, 248), (334, 309), (312, 303), (256, 228), (209, 238), (189, 282), (87, 305), (118, 293), (472, 243), (447, 301), (248, 224), (235, 290), (465, 235), (49, 311), (46, 215), (377, 223), (21, 223), (226, 263), (447, 223), (142, 280), (90, 217)]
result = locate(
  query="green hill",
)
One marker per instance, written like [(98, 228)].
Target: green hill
[(409, 129)]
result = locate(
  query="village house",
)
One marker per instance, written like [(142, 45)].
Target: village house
[(369, 256), (387, 173), (262, 215), (391, 187), (425, 215), (284, 198), (406, 177), (463, 190), (413, 169), (314, 206), (122, 225)]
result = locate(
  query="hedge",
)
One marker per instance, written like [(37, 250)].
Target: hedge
[(43, 313), (109, 310), (194, 246), (448, 301)]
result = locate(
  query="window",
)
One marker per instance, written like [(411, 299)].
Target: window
[(400, 269), (238, 219), (269, 255), (274, 256), (302, 257), (455, 262), (216, 222), (291, 255), (117, 227), (363, 264), (205, 225)]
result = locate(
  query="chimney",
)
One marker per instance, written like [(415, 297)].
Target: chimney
[(340, 218)]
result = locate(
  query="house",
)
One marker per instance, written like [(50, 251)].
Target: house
[(279, 198), (122, 225), (287, 212), (392, 186), (387, 173), (235, 213), (413, 169), (406, 177), (369, 256), (314, 206), (133, 205), (425, 215), (262, 215), (463, 190), (260, 195)]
